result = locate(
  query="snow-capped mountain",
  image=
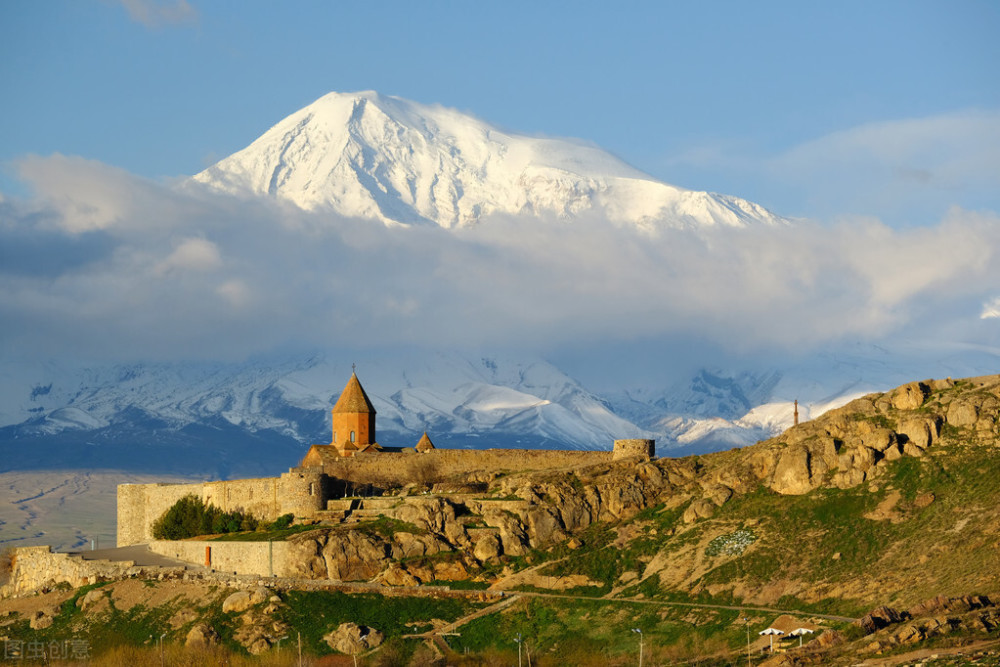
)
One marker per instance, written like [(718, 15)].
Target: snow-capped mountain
[(259, 417), (283, 406), (374, 156)]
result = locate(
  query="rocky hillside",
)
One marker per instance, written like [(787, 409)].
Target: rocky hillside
[(884, 512), (890, 499)]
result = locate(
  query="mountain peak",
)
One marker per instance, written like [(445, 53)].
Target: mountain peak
[(375, 156)]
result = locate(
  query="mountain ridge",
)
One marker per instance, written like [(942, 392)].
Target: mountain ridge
[(380, 157)]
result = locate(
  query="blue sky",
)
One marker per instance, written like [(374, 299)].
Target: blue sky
[(884, 109), (876, 123)]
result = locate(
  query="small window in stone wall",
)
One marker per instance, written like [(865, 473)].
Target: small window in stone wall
[(352, 436), (312, 488)]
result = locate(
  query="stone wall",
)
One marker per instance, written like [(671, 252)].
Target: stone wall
[(259, 497), (304, 491), (139, 505), (635, 447), (264, 559), (37, 568), (431, 466)]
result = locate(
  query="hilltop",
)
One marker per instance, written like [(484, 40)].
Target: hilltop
[(884, 511)]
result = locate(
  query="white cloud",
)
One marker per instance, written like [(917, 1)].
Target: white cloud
[(991, 309), (136, 269), (235, 292), (191, 254)]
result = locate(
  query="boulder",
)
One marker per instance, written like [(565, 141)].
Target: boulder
[(909, 634), (702, 508), (919, 431), (487, 548), (879, 618), (792, 475), (910, 396), (543, 527), (395, 575), (408, 545), (961, 413), (351, 638), (720, 494), (451, 570), (354, 555), (238, 602), (201, 635), (41, 619), (91, 598), (512, 533), (878, 439), (433, 514)]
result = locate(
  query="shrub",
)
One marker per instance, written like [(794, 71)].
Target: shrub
[(190, 517)]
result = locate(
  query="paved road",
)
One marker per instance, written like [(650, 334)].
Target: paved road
[(139, 553)]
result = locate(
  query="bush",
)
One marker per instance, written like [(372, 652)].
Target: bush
[(190, 517)]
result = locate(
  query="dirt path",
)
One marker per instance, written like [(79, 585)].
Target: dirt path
[(698, 605), (925, 653), (139, 553)]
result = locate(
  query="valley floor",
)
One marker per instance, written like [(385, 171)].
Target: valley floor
[(65, 509)]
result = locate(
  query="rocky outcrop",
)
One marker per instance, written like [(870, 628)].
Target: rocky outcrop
[(202, 635), (343, 555), (240, 601), (879, 618), (850, 445), (352, 639)]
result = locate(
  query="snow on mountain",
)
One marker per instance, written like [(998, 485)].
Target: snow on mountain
[(270, 410), (374, 156), (469, 403)]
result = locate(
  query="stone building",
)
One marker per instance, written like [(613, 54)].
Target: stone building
[(352, 462), (353, 420)]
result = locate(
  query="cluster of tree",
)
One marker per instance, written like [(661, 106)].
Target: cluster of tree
[(190, 517)]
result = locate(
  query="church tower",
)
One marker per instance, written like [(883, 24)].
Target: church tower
[(353, 419)]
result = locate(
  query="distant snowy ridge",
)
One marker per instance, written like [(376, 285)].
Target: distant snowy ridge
[(374, 156)]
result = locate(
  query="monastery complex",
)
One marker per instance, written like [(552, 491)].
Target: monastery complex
[(322, 487)]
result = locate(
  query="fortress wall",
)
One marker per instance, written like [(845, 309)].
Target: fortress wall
[(392, 468), (304, 492), (36, 568), (263, 559), (139, 505), (260, 497), (634, 447)]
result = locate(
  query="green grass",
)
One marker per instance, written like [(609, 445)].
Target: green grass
[(132, 627), (316, 613), (385, 527), (599, 630), (272, 535)]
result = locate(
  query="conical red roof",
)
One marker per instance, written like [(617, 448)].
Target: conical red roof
[(424, 444), (353, 399)]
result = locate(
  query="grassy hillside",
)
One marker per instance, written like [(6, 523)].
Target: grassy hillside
[(891, 500)]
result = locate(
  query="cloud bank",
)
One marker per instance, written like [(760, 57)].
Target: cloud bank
[(106, 265)]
